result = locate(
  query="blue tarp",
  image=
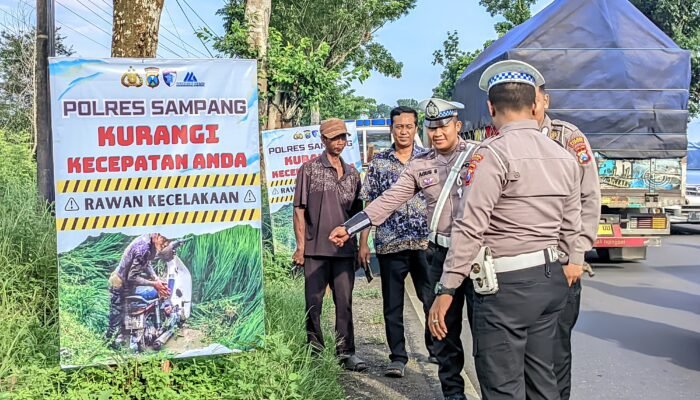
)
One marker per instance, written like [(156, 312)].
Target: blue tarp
[(609, 70)]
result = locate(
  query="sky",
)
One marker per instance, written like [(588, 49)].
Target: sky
[(411, 39)]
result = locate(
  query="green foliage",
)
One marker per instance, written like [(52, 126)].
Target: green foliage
[(412, 103), (17, 78), (343, 103), (515, 12), (680, 19), (455, 61), (315, 48), (28, 321), (383, 111)]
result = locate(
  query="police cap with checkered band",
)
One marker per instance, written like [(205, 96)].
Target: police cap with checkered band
[(510, 71), (439, 112)]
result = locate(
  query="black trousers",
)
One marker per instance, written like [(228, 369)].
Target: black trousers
[(449, 351), (394, 267), (562, 344), (339, 273), (514, 331), (116, 314)]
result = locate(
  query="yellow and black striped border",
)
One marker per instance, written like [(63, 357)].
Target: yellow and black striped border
[(282, 199), (283, 182), (153, 183), (151, 219)]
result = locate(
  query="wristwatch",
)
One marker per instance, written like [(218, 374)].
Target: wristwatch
[(440, 289)]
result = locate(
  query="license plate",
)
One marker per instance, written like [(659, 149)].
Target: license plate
[(605, 230), (134, 322)]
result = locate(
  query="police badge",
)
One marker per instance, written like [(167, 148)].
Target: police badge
[(170, 77), (432, 111), (152, 77), (131, 78)]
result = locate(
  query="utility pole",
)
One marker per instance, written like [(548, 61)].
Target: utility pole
[(42, 102)]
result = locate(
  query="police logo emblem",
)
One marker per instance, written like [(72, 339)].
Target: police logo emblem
[(553, 134), (131, 78), (432, 111), (152, 77), (170, 77)]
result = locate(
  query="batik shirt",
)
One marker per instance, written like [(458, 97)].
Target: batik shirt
[(135, 267), (407, 227)]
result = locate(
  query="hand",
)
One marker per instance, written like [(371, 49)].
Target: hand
[(161, 288), (298, 256), (437, 313), (364, 255), (339, 236), (573, 273)]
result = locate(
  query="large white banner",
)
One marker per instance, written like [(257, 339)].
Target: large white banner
[(147, 151), (285, 150)]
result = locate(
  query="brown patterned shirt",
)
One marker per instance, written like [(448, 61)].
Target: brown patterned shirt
[(327, 202)]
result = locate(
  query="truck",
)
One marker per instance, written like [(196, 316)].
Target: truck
[(611, 72)]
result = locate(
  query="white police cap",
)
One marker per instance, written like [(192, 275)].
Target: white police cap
[(439, 112), (510, 71)]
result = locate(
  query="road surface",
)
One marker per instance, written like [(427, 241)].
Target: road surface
[(638, 334)]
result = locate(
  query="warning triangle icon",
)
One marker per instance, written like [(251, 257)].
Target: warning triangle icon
[(275, 192), (72, 205), (249, 197)]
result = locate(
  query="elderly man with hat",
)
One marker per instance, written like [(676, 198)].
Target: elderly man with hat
[(326, 194), (523, 203), (439, 174)]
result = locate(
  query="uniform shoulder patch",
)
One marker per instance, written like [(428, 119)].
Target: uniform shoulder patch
[(471, 168)]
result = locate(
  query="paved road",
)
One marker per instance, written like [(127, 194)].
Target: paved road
[(638, 335)]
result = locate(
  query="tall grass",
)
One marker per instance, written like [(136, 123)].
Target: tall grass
[(28, 283)]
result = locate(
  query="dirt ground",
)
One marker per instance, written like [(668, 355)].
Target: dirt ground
[(185, 339), (420, 381)]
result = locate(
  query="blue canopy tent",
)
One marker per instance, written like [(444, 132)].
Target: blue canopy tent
[(609, 70)]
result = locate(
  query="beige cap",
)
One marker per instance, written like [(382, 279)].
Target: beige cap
[(333, 127)]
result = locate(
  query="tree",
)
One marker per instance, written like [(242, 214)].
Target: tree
[(411, 103), (383, 111), (346, 105), (680, 19), (17, 75), (454, 61), (326, 43), (515, 13), (135, 26)]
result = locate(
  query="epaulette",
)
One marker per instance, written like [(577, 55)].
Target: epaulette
[(428, 154), (562, 130)]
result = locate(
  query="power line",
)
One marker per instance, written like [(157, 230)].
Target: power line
[(165, 6), (193, 29), (200, 18), (82, 34), (84, 19), (110, 11), (94, 12)]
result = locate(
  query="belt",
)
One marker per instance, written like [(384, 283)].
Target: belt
[(440, 240), (524, 261)]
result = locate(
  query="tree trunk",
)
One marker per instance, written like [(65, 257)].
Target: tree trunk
[(257, 16), (315, 114), (135, 28)]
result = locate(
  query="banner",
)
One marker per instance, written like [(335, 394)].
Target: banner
[(285, 150), (157, 179)]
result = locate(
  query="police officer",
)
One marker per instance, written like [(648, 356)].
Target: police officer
[(523, 202), (573, 140), (429, 173)]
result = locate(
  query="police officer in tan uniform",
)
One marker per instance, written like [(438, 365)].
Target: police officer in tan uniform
[(430, 173), (573, 140), (523, 203)]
